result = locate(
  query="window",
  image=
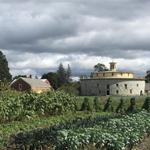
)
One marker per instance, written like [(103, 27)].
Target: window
[(125, 86), (130, 91), (108, 86), (112, 74), (20, 87), (128, 74), (117, 85), (117, 92), (103, 74), (108, 93), (99, 91), (121, 74), (137, 85), (97, 84)]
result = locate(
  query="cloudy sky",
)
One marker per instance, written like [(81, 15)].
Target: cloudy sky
[(36, 35)]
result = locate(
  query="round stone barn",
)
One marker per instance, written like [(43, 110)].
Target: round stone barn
[(112, 82)]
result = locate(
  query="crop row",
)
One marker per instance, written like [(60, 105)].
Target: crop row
[(115, 133), (32, 105)]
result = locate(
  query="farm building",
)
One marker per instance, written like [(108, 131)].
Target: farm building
[(112, 82), (30, 84)]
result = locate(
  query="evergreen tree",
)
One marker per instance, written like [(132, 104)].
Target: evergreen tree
[(120, 108), (52, 77), (146, 104), (132, 107), (4, 69), (108, 106), (96, 104), (147, 77), (86, 105), (68, 73), (61, 75)]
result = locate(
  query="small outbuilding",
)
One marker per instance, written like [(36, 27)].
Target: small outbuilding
[(30, 84)]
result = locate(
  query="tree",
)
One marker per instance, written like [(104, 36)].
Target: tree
[(68, 73), (147, 76), (71, 88), (96, 104), (108, 106), (18, 76), (4, 69), (61, 72), (146, 104), (132, 107), (86, 105), (52, 77), (120, 108), (100, 67)]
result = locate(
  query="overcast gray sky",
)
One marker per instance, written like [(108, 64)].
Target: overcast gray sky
[(36, 35)]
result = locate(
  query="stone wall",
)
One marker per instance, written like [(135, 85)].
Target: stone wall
[(104, 87)]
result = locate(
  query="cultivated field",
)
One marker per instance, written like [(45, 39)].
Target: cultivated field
[(56, 120)]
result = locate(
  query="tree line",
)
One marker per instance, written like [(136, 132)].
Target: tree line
[(57, 79)]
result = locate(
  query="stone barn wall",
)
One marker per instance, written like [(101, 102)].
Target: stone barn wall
[(102, 87)]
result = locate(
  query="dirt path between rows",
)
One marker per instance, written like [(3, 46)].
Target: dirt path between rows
[(145, 145)]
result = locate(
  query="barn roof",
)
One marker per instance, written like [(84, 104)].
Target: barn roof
[(37, 83)]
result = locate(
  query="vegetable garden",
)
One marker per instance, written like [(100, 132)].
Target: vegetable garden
[(55, 121)]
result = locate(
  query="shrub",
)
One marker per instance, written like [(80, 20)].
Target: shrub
[(96, 104), (108, 106), (146, 104), (120, 108), (132, 108), (86, 105)]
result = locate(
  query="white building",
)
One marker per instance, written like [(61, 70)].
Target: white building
[(112, 82)]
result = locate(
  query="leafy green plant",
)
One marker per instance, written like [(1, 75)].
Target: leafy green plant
[(146, 104)]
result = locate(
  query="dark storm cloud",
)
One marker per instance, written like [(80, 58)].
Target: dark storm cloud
[(117, 29), (107, 28)]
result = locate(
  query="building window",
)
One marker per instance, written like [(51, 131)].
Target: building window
[(97, 84), (117, 85), (130, 91), (125, 86), (20, 87), (108, 92), (121, 74), (137, 85), (128, 74), (103, 74), (112, 74), (117, 92), (108, 86), (99, 91)]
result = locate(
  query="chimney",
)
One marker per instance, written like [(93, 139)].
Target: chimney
[(112, 66)]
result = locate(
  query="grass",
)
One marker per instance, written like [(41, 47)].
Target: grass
[(115, 101)]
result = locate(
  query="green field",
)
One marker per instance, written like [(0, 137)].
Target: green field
[(54, 120), (115, 100)]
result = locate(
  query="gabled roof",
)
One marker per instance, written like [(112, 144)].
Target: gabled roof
[(35, 83)]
